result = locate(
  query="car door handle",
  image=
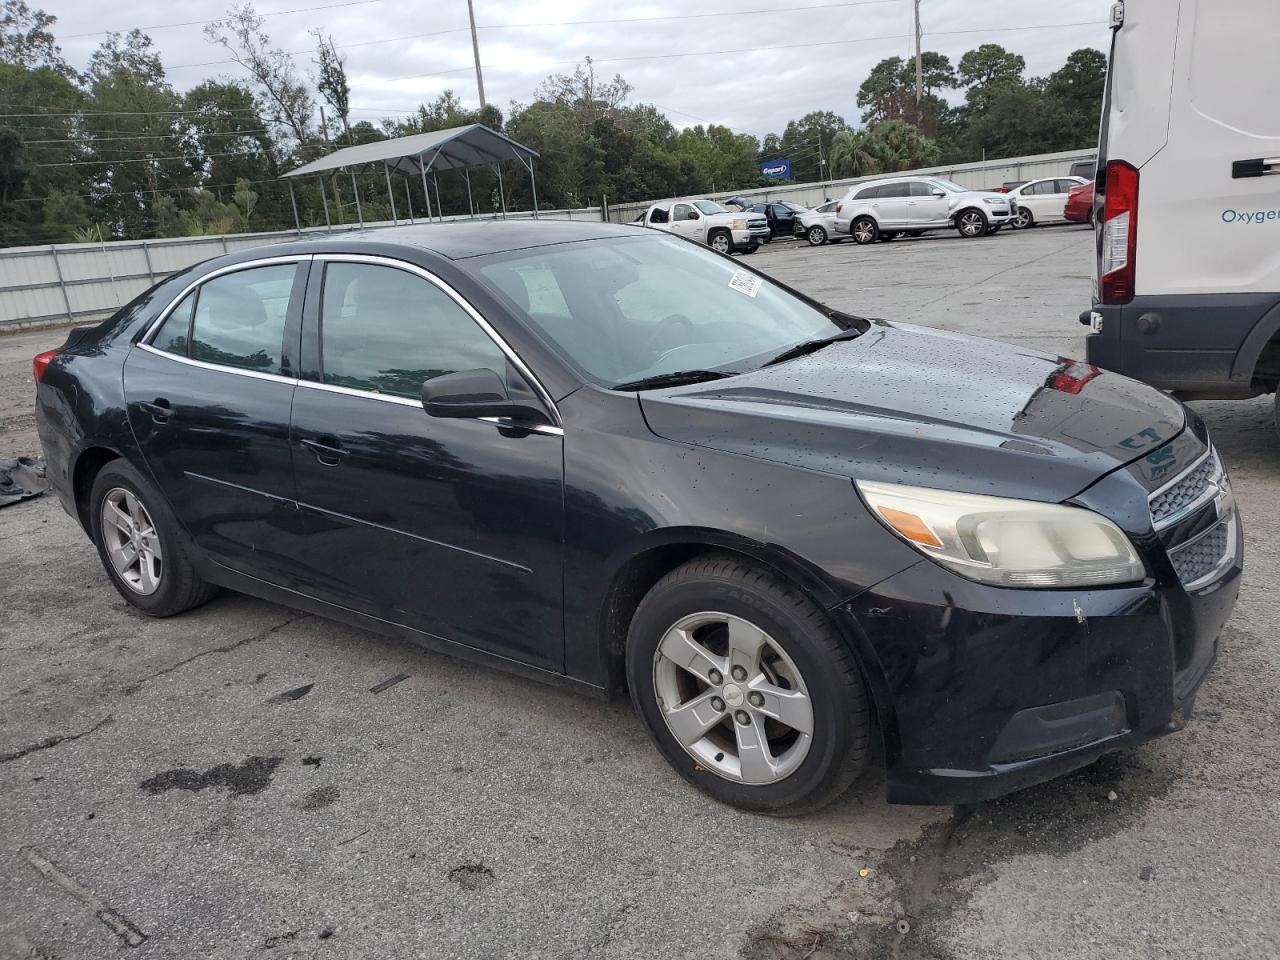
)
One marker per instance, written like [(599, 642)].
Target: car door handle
[(159, 409), (327, 450)]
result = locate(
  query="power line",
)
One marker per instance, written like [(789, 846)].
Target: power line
[(200, 23), (151, 136)]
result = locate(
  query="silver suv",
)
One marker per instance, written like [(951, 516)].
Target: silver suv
[(882, 209)]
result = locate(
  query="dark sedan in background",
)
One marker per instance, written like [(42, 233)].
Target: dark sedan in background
[(620, 461)]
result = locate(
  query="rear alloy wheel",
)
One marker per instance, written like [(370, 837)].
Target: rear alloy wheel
[(1023, 220), (140, 545), (816, 236), (972, 224), (864, 230), (721, 242), (746, 688)]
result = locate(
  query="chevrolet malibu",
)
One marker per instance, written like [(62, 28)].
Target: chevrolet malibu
[(620, 461)]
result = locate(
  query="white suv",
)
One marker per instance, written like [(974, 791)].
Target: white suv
[(885, 208)]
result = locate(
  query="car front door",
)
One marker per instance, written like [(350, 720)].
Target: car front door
[(450, 526), (923, 208), (208, 393), (685, 222)]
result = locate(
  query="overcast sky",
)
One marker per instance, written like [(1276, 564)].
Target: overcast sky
[(833, 43)]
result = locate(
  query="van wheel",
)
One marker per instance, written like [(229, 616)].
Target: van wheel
[(720, 241), (864, 230), (816, 236), (746, 688), (972, 224)]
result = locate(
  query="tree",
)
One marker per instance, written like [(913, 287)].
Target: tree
[(851, 155), (896, 146), (1076, 89), (889, 92), (989, 64), (288, 100), (26, 39), (808, 140), (331, 82), (587, 95)]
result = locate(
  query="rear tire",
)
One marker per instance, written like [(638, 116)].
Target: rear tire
[(971, 224), (816, 236), (864, 230), (140, 544), (1024, 220), (690, 635)]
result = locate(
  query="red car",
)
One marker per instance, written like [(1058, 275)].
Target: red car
[(1079, 208)]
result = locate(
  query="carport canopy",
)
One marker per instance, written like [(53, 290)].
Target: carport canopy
[(423, 154)]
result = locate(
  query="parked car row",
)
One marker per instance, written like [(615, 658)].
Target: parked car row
[(878, 210)]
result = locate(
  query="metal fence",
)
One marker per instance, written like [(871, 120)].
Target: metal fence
[(86, 282), (983, 175)]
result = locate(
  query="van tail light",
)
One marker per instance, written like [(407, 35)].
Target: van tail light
[(40, 363), (1118, 247)]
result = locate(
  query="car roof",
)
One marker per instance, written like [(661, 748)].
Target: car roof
[(460, 239)]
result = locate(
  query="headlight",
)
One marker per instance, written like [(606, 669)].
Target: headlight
[(738, 225), (1010, 543), (994, 200)]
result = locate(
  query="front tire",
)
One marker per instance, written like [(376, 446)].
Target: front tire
[(721, 242), (971, 224), (864, 230), (816, 236), (140, 544), (751, 249), (746, 688)]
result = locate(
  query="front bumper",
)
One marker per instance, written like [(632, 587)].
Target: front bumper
[(982, 691)]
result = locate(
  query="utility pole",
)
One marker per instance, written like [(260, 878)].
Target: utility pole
[(919, 65), (475, 48)]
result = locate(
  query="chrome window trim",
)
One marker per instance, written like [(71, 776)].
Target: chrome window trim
[(238, 371), (501, 422), (151, 331), (467, 308)]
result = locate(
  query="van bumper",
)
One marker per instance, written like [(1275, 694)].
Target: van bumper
[(1203, 346)]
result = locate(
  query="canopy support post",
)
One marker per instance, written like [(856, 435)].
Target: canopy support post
[(533, 186), (471, 210), (324, 199), (390, 193), (355, 189), (502, 196), (439, 205), (422, 169), (294, 202), (408, 199)]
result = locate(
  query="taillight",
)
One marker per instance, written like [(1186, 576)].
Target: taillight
[(40, 363), (839, 207), (1118, 247)]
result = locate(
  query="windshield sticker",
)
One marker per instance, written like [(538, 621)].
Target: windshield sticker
[(744, 282)]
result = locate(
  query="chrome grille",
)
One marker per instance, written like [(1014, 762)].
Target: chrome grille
[(1200, 557), (1192, 486)]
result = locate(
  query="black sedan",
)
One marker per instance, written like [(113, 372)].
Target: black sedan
[(620, 461)]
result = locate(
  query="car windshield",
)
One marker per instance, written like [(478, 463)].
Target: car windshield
[(707, 206), (950, 186), (629, 308)]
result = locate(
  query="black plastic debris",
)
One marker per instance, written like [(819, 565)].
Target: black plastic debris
[(389, 682), (21, 479), (297, 693)]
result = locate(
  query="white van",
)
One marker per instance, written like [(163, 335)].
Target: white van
[(1187, 295)]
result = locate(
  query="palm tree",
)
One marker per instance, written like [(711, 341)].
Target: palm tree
[(896, 145), (851, 156)]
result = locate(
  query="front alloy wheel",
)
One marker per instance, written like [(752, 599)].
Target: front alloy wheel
[(720, 243), (732, 698), (1023, 219), (972, 224)]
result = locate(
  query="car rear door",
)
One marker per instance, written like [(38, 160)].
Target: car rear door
[(208, 392), (890, 205), (449, 526)]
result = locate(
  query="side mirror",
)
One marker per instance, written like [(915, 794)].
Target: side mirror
[(694, 215), (473, 394), (939, 194)]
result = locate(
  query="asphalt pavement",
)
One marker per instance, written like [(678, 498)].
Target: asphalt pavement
[(228, 783)]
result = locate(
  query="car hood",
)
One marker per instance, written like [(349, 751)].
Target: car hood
[(911, 405)]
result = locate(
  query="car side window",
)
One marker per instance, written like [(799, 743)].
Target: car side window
[(239, 318), (681, 212), (174, 335), (386, 330), (659, 215), (1065, 186), (897, 190), (869, 193), (921, 190)]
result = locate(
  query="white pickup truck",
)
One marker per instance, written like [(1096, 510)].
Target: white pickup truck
[(708, 222)]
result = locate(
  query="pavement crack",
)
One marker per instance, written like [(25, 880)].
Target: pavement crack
[(126, 930), (50, 742), (225, 648)]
